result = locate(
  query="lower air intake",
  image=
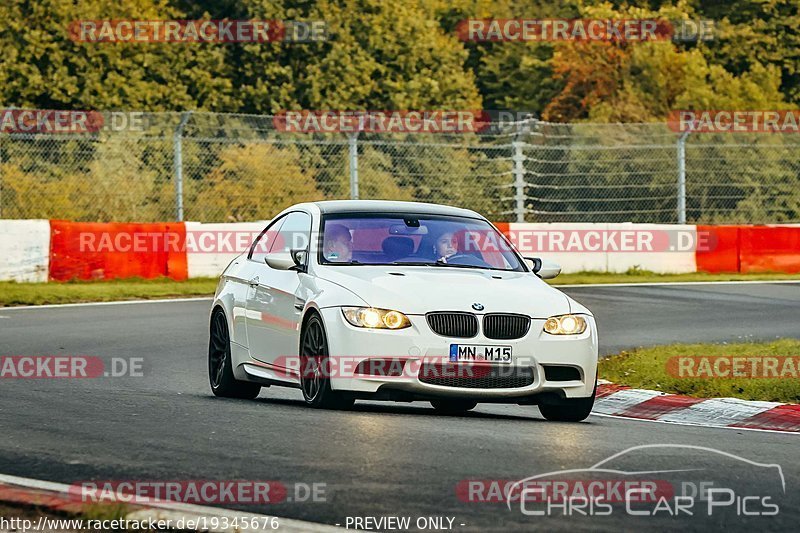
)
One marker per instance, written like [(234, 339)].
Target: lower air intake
[(476, 376)]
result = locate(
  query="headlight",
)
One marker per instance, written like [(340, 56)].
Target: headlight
[(369, 317), (565, 325)]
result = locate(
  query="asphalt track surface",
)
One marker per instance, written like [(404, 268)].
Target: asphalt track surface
[(380, 459)]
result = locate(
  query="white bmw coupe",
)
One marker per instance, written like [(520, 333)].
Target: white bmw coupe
[(399, 301)]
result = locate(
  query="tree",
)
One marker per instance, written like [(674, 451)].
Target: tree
[(643, 81), (510, 75), (385, 55), (252, 182), (43, 68), (91, 179), (753, 32)]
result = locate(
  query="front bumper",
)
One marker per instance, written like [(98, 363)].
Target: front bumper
[(418, 345)]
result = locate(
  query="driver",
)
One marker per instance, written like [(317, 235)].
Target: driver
[(338, 243), (445, 246)]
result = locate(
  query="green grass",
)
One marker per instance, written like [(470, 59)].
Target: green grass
[(12, 293), (646, 368), (105, 511), (636, 275)]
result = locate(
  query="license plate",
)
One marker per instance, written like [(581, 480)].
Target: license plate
[(478, 353)]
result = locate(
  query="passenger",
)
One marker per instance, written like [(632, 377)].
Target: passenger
[(337, 244), (445, 246)]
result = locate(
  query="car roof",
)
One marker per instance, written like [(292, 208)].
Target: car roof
[(390, 206)]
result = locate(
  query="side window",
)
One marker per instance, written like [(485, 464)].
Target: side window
[(294, 233), (264, 243)]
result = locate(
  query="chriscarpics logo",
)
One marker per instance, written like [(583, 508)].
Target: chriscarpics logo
[(651, 482)]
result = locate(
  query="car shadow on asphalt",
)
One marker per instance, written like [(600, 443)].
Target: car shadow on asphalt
[(395, 408)]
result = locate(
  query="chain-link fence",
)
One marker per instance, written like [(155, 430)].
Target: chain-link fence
[(220, 167), (649, 173)]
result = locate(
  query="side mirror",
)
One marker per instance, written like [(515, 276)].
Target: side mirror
[(292, 260), (281, 261), (543, 268)]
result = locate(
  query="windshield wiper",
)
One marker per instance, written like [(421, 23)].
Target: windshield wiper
[(438, 262)]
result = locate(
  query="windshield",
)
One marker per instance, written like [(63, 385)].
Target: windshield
[(411, 240)]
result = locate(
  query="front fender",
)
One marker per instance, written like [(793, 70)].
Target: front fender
[(324, 294)]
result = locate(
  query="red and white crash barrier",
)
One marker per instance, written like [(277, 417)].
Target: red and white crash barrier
[(57, 250), (211, 247), (613, 247), (24, 250), (615, 400)]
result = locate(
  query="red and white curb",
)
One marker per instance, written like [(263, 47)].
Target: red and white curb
[(57, 497), (625, 402)]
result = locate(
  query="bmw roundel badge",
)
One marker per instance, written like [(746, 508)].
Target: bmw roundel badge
[(477, 307)]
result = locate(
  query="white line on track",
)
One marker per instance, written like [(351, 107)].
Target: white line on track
[(572, 286), (162, 510), (119, 302)]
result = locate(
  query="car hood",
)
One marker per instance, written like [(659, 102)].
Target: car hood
[(419, 290)]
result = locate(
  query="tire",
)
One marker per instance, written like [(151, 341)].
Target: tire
[(453, 407), (220, 369), (569, 409), (315, 369)]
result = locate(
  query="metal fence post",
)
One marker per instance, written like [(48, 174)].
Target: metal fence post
[(682, 177), (177, 144), (519, 178), (353, 142), (1, 165), (1, 174)]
